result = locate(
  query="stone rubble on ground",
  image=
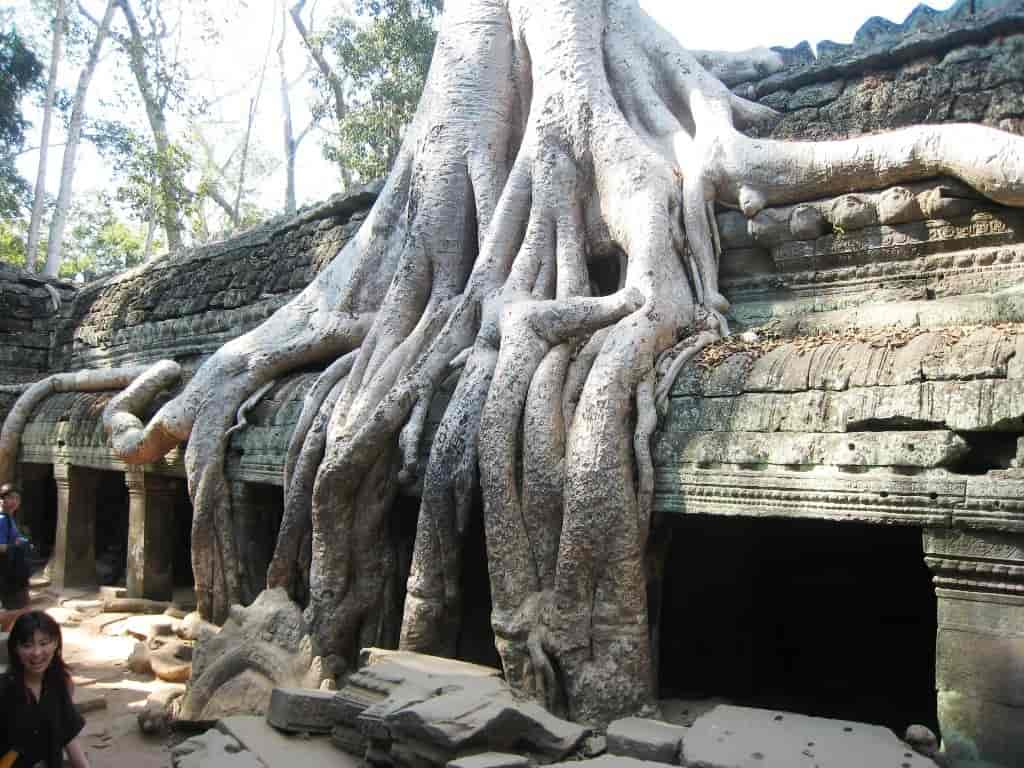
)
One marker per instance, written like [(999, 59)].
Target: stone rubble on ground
[(737, 737), (276, 749), (213, 748), (490, 760), (299, 710), (645, 739), (415, 711)]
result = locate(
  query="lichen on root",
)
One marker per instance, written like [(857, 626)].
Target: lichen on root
[(552, 140)]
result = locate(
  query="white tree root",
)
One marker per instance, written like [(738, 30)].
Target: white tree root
[(79, 381)]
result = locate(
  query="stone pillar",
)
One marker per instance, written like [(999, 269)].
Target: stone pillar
[(979, 650), (74, 549), (150, 534)]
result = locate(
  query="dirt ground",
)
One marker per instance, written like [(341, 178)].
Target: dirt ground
[(97, 646)]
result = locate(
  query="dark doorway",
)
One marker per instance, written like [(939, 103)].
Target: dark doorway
[(111, 528), (37, 516), (181, 565), (820, 618), (476, 637)]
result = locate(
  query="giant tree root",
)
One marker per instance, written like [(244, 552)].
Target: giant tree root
[(550, 137), (165, 373)]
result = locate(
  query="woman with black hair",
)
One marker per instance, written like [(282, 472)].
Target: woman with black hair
[(37, 717)]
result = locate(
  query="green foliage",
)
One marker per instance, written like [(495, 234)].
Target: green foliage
[(20, 72), (386, 61), (100, 242), (140, 167), (12, 242)]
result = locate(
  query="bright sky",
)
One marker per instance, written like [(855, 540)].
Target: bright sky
[(721, 25)]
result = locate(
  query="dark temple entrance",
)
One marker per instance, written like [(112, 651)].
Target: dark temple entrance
[(820, 618), (111, 544)]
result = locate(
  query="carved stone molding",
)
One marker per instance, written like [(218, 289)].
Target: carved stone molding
[(976, 561)]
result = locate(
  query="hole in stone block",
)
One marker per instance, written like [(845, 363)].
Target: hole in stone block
[(988, 451)]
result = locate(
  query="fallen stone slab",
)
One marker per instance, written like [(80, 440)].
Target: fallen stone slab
[(132, 605), (349, 739), (490, 760), (146, 626), (111, 593), (460, 713), (213, 748), (301, 710), (645, 739), (614, 761), (738, 737), (275, 748), (82, 604), (422, 662)]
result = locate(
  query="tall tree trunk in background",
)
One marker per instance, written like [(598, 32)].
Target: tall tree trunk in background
[(170, 205), (39, 198), (67, 174), (291, 143), (150, 222), (332, 78), (254, 105)]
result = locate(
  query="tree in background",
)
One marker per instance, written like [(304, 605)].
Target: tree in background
[(292, 140), (139, 167), (380, 54), (101, 243), (386, 62), (152, 49), (76, 123), (49, 107), (20, 70)]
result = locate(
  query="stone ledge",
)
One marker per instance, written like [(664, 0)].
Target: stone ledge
[(910, 47), (645, 739), (301, 710), (729, 737)]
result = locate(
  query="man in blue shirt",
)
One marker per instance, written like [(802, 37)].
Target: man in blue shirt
[(14, 568)]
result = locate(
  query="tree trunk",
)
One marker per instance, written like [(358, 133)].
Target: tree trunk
[(150, 222), (170, 205), (333, 80), (39, 197), (549, 135), (67, 174), (291, 143)]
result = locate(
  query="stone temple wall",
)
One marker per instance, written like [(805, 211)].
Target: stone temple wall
[(186, 305), (31, 309), (960, 65)]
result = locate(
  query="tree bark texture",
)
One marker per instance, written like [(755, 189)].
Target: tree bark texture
[(75, 124), (170, 205), (549, 136), (39, 195)]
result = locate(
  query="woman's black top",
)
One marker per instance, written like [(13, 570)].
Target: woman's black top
[(37, 730)]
